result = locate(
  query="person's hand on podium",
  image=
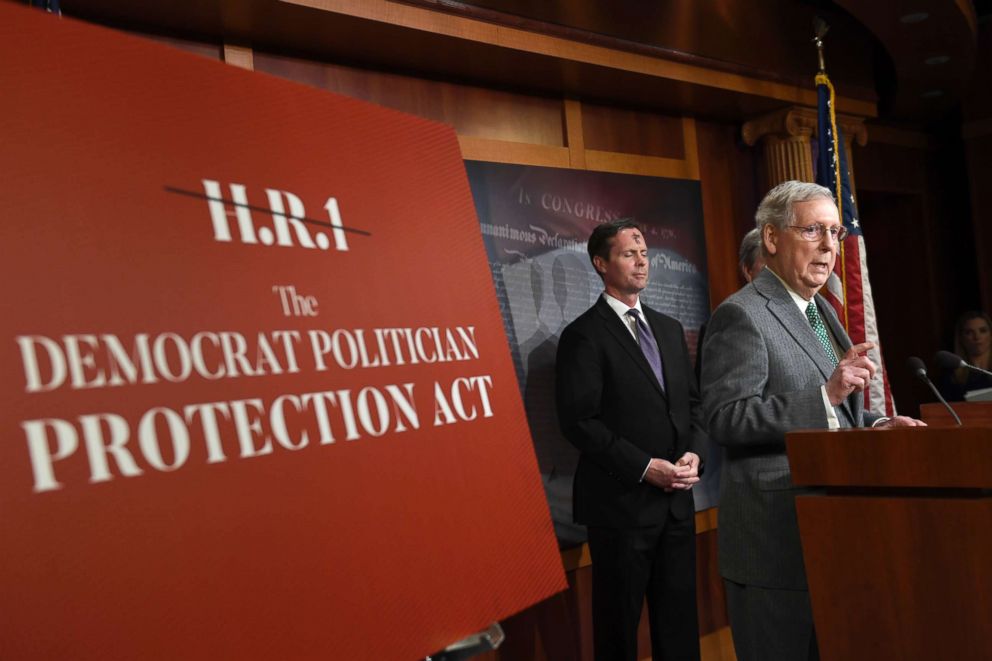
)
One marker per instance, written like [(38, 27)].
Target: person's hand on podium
[(900, 421)]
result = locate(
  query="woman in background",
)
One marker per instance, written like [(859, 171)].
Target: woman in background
[(973, 342)]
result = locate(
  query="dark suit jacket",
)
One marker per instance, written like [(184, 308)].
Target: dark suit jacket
[(611, 407)]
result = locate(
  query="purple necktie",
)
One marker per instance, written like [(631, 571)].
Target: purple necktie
[(648, 345)]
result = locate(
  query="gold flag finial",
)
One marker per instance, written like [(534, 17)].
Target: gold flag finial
[(820, 29)]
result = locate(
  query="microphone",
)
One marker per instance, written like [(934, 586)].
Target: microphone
[(952, 361), (919, 369)]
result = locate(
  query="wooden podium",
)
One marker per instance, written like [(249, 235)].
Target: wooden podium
[(971, 413), (898, 546)]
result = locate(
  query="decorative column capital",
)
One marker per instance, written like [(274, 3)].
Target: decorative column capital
[(799, 122), (791, 122)]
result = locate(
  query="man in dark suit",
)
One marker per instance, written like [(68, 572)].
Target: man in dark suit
[(777, 360), (627, 399)]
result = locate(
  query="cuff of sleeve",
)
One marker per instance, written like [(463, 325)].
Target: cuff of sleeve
[(880, 421), (645, 472), (832, 421)]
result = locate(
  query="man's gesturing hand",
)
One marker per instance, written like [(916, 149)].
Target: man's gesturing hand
[(852, 373)]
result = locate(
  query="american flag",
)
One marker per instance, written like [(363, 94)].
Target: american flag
[(848, 289)]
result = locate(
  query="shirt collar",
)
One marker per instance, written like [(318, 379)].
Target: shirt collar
[(800, 302), (620, 307)]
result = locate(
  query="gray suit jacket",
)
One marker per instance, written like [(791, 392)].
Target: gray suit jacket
[(761, 378)]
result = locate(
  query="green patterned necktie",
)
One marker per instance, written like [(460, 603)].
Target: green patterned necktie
[(821, 331)]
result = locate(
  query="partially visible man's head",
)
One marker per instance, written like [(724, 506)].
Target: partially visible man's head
[(796, 220), (620, 256), (750, 258)]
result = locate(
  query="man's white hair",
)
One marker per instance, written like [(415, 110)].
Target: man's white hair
[(778, 206)]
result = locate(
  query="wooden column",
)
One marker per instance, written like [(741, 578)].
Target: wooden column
[(785, 137)]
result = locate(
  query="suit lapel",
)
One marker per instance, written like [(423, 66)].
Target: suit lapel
[(795, 323), (615, 328), (785, 310)]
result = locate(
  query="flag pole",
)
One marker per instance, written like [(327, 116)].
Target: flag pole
[(850, 276), (820, 29)]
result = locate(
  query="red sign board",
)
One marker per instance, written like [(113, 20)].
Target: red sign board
[(257, 396)]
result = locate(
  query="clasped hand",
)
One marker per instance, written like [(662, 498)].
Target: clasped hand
[(679, 476)]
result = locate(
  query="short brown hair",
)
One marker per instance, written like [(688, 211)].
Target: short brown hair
[(602, 237)]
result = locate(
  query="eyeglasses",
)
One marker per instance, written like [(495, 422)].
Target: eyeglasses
[(815, 232)]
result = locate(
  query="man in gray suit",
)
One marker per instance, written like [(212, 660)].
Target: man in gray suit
[(777, 360)]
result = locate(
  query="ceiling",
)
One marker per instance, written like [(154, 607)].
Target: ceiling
[(915, 59)]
